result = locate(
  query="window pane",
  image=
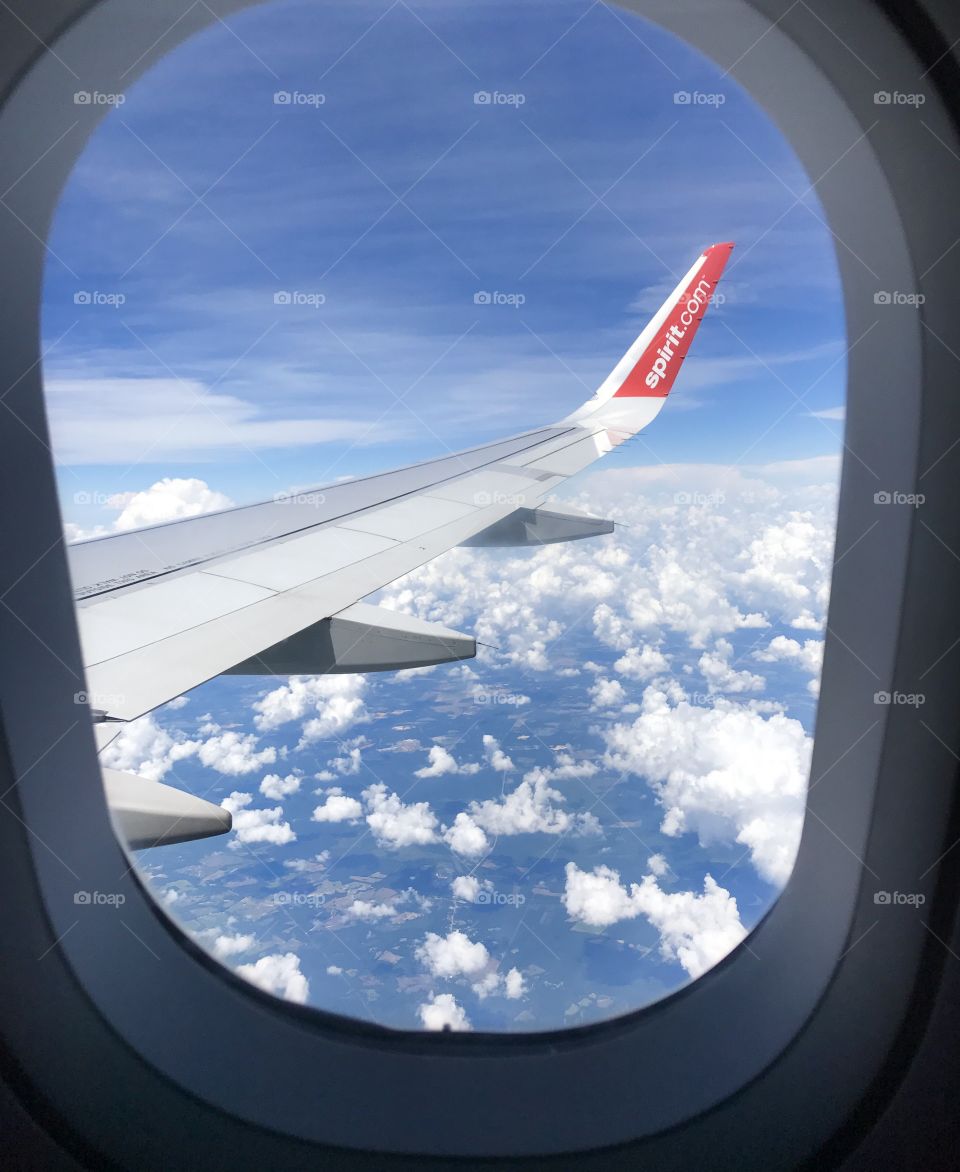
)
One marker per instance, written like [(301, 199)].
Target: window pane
[(323, 240)]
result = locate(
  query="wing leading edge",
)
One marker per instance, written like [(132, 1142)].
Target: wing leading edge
[(275, 588)]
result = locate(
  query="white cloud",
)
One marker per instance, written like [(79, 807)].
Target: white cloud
[(233, 753), (338, 808), (336, 700), (453, 955), (533, 807), (496, 758), (757, 548), (442, 1012), (723, 773), (513, 985), (348, 765), (334, 970), (808, 657), (697, 930), (175, 420), (226, 945), (144, 748), (642, 663), (279, 974), (395, 824), (265, 825), (465, 837), (721, 676), (598, 898), (366, 909), (166, 500), (466, 887), (607, 694), (277, 788), (443, 762), (658, 865)]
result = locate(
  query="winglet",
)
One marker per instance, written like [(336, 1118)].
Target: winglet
[(650, 366)]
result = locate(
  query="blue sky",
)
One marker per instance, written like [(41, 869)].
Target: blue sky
[(583, 192), (297, 201)]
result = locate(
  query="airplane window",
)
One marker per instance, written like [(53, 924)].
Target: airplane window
[(318, 242)]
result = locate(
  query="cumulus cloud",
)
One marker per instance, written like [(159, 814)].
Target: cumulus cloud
[(465, 837), (279, 974), (453, 955), (695, 929), (808, 657), (264, 825), (230, 945), (495, 757), (513, 985), (441, 1012), (232, 752), (442, 762), (607, 694), (466, 887), (332, 704), (721, 676), (366, 909), (395, 824), (277, 788), (751, 547), (338, 808), (166, 500), (533, 807), (642, 663), (723, 773), (144, 748)]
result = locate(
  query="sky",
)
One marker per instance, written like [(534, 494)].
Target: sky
[(324, 239)]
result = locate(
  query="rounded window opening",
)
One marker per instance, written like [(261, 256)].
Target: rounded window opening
[(320, 241)]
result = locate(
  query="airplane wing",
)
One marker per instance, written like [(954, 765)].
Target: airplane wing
[(275, 588)]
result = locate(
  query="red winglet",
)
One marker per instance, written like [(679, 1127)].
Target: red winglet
[(654, 372)]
